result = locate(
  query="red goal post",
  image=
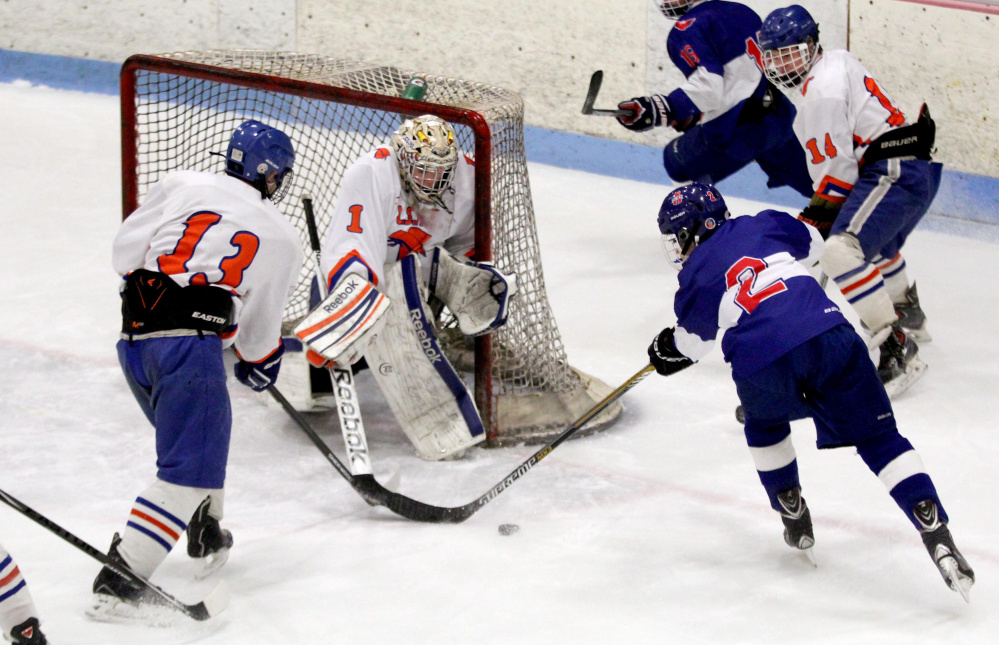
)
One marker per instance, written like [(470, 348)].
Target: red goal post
[(178, 108)]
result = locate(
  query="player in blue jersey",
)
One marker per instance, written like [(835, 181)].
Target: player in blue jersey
[(793, 355), (727, 112)]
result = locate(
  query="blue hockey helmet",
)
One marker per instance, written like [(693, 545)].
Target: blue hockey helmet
[(689, 215), (262, 156), (789, 39)]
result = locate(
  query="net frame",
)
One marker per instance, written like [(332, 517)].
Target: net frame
[(164, 129)]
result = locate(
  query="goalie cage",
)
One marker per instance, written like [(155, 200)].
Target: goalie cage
[(177, 108)]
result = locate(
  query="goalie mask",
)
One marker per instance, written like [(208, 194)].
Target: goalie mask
[(674, 9), (425, 147), (789, 39), (689, 215), (262, 156)]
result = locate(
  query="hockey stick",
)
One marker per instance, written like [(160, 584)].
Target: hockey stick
[(348, 409), (591, 96), (366, 485), (213, 604), (376, 494)]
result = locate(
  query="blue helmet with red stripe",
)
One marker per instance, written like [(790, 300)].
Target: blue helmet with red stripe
[(690, 215)]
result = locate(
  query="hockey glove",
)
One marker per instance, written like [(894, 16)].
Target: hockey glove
[(647, 112), (820, 213), (261, 374), (477, 293), (664, 355)]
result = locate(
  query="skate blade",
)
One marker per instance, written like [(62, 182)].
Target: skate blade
[(109, 609), (211, 564), (915, 370), (957, 580), (921, 335), (810, 554)]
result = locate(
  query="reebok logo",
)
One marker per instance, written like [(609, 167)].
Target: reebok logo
[(341, 297), (427, 343)]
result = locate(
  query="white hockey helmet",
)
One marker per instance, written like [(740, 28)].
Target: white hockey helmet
[(674, 9), (427, 155)]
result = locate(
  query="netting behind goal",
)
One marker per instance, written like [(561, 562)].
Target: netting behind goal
[(179, 108)]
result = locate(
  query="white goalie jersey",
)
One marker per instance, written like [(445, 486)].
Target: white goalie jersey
[(841, 110), (206, 228), (373, 223)]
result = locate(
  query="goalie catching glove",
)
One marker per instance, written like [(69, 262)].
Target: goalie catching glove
[(476, 293), (341, 326), (664, 355)]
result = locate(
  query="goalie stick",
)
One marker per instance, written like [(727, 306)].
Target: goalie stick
[(348, 407), (591, 96), (377, 495), (213, 604)]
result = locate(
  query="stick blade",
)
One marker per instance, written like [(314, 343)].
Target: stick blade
[(213, 604), (592, 91)]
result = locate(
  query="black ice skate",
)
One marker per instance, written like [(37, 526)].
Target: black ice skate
[(28, 633), (899, 365), (797, 521), (936, 536), (207, 540), (118, 598), (911, 317)]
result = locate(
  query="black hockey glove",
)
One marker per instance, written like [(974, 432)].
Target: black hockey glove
[(820, 213), (664, 355), (260, 375), (647, 112)]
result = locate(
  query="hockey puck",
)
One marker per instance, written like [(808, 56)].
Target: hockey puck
[(508, 529)]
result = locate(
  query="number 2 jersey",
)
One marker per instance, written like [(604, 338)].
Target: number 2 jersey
[(750, 281), (206, 228), (373, 223), (841, 110)]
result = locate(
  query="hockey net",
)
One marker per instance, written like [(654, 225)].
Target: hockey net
[(178, 108)]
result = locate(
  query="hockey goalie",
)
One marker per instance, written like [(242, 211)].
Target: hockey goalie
[(402, 236)]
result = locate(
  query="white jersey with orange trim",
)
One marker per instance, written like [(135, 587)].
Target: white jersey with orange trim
[(373, 223), (206, 228), (841, 109)]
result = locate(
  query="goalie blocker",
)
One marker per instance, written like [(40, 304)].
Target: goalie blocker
[(426, 395)]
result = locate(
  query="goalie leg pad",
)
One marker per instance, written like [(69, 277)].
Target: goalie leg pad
[(340, 328), (477, 294), (425, 393)]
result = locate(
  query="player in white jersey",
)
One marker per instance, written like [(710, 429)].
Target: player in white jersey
[(873, 181), (18, 616), (404, 221), (207, 262)]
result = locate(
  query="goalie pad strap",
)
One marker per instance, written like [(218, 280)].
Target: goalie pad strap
[(153, 302), (432, 350)]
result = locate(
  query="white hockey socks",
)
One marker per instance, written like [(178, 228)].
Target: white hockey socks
[(159, 517), (16, 605), (859, 281)]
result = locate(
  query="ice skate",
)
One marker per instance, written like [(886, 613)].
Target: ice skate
[(118, 599), (911, 317), (27, 633), (207, 541), (899, 365), (797, 522), (940, 545)]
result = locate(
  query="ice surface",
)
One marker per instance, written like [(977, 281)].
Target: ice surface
[(655, 531)]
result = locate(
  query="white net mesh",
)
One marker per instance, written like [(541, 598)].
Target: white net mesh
[(185, 113)]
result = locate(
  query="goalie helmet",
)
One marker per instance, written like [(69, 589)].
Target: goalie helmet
[(262, 156), (789, 39), (673, 9), (690, 215), (425, 147)]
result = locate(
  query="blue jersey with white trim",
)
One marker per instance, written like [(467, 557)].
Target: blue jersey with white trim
[(750, 281), (714, 46)]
